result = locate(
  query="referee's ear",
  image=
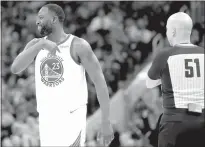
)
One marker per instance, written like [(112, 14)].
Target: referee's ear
[(174, 32)]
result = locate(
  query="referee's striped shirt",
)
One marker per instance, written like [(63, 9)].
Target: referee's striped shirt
[(181, 70)]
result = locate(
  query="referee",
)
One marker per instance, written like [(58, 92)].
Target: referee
[(180, 72)]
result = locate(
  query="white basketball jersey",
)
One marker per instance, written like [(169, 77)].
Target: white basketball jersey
[(60, 82)]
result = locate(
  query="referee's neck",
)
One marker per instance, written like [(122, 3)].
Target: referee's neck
[(182, 42)]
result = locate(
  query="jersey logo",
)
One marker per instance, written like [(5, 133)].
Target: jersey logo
[(51, 70)]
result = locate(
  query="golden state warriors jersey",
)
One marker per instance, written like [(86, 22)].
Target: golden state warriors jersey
[(60, 82)]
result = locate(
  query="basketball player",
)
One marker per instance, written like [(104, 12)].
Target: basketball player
[(180, 71), (60, 63)]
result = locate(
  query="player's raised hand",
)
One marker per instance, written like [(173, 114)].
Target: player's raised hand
[(50, 46), (106, 135)]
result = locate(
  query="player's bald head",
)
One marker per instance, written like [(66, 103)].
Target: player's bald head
[(181, 21)]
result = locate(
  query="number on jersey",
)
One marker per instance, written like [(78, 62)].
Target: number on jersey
[(190, 68)]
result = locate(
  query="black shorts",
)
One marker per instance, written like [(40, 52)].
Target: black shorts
[(181, 129)]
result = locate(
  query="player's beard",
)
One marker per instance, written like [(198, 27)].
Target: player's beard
[(46, 29)]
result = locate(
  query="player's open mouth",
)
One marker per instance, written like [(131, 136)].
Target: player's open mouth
[(39, 27)]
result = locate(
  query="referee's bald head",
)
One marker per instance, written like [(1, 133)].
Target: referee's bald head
[(179, 26)]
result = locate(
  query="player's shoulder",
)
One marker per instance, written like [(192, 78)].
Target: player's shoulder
[(81, 46), (77, 41)]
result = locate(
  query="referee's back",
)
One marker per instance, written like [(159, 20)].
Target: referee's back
[(180, 71), (183, 76)]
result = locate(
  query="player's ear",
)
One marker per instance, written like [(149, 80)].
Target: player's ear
[(54, 20)]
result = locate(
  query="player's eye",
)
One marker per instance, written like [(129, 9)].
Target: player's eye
[(41, 17)]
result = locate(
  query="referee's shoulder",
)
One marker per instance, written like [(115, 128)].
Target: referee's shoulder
[(201, 48), (164, 52)]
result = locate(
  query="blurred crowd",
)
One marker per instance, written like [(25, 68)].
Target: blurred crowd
[(121, 34)]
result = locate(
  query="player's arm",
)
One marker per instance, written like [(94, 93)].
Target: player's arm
[(26, 57), (92, 66), (153, 75)]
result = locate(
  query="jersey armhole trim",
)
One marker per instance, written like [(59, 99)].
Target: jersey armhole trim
[(72, 53)]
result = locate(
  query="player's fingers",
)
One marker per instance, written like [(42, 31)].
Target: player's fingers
[(106, 142), (100, 141), (99, 136), (58, 49), (108, 139), (111, 138), (53, 52)]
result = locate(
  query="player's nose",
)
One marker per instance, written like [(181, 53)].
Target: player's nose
[(37, 22)]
